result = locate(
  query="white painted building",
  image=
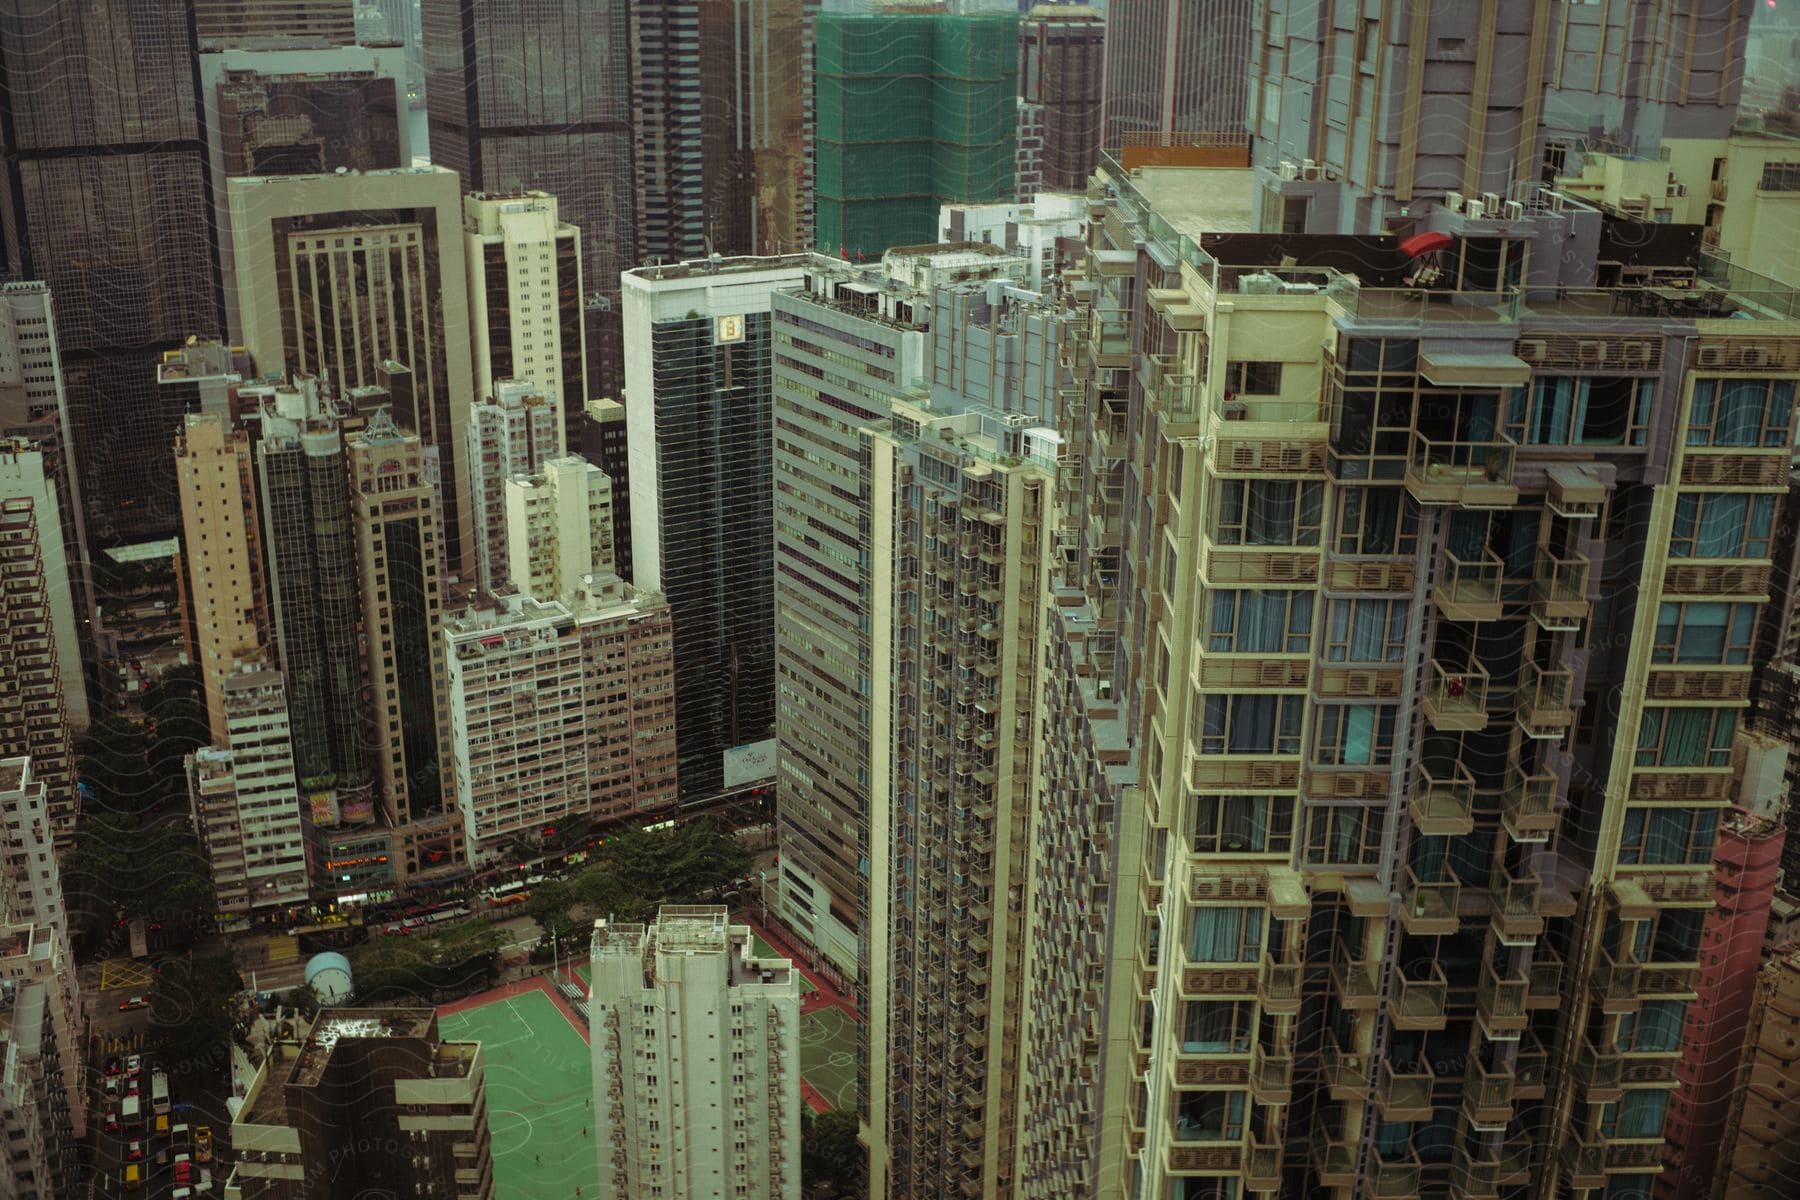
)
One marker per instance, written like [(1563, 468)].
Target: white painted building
[(558, 528), (696, 1061), (512, 431), (1029, 230)]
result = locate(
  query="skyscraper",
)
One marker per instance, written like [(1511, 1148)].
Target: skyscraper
[(698, 409), (105, 167), (277, 22), (723, 96), (688, 1025), (606, 443), (1062, 66), (513, 431), (222, 553), (356, 277), (394, 532), (527, 300), (559, 525), (538, 97), (1175, 70)]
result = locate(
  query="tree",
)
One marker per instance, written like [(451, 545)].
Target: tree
[(830, 1153), (110, 758), (175, 726), (688, 863), (117, 868), (194, 1006), (551, 905)]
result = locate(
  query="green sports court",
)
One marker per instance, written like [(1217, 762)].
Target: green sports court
[(540, 1088), (828, 1055)]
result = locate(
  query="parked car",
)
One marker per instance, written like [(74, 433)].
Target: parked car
[(134, 1064), (203, 1143), (113, 1065), (134, 1152), (131, 1002), (111, 1124)]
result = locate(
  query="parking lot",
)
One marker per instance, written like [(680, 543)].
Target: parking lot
[(140, 1151)]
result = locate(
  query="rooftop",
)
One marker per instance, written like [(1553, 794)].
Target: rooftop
[(12, 773), (1188, 201), (336, 1025), (703, 268)]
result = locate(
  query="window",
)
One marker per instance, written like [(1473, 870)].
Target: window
[(1349, 835), (1355, 735), (1233, 723), (1268, 512), (1653, 1029), (1210, 1117), (1225, 934), (1704, 632), (1741, 412), (1366, 631), (1245, 622), (1376, 520), (1209, 1027), (1243, 824), (1686, 737), (1667, 837), (1780, 177), (1253, 378), (1580, 410), (1637, 1114), (1722, 525)]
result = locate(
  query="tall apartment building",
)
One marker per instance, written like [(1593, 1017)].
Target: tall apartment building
[(253, 22), (559, 525), (606, 443), (724, 101), (32, 875), (698, 412), (1513, 94), (561, 710), (1175, 69), (513, 430), (394, 532), (369, 1101), (1758, 1157), (105, 164), (540, 99), (1062, 69), (914, 109), (1403, 881), (33, 406), (696, 1046), (222, 554), (245, 800), (526, 301), (45, 1157), (36, 628), (360, 279)]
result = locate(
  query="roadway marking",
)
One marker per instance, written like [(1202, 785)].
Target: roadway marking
[(123, 973)]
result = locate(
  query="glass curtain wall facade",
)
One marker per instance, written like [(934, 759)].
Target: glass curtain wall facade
[(1174, 69)]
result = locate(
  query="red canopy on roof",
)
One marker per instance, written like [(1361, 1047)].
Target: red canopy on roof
[(1420, 244)]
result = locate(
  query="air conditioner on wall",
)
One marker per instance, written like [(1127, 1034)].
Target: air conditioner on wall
[(1515, 211), (1289, 170), (1453, 201), (1475, 210)]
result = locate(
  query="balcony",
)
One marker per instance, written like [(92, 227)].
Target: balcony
[(1429, 907), (1456, 700), (1396, 1177), (1271, 1077), (1518, 906), (1589, 1161), (1472, 474), (1543, 700), (1616, 984), (1559, 585), (1528, 804), (1419, 1003), (1669, 981), (1404, 1096), (1442, 805), (1530, 1070), (1487, 1096), (1279, 988), (1358, 983), (1334, 1160), (1262, 1167), (1500, 1003), (1474, 1178), (1346, 1074), (1469, 590), (1599, 1073)]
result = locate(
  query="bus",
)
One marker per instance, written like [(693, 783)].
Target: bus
[(511, 893), (159, 1092)]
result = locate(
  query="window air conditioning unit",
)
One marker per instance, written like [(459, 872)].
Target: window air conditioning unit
[(1453, 201), (1515, 211), (1475, 210)]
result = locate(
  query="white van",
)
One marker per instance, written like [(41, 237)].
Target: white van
[(131, 1113)]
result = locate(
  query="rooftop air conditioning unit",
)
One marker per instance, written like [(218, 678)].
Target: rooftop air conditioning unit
[(1289, 170), (1556, 201), (1515, 211), (1309, 169), (1453, 201), (1490, 201), (1475, 210)]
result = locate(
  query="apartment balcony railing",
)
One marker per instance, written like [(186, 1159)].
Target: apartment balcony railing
[(1528, 804), (1546, 974), (1442, 805), (1396, 1175), (1559, 590), (1616, 984), (1599, 1072), (1518, 906), (1474, 1178), (1469, 590), (1404, 1095), (1358, 982), (1588, 1161), (1271, 1076), (1669, 981), (1346, 1073), (1544, 700), (1419, 1003), (1473, 474), (1455, 699), (1531, 1069), (1500, 1003), (1334, 1159), (1487, 1097), (1262, 1166), (1429, 906), (1280, 985)]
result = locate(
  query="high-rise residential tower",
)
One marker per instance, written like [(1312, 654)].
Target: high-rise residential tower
[(274, 22), (513, 431), (539, 98), (606, 443), (724, 101), (1175, 70), (696, 1045), (559, 525), (222, 554), (360, 278), (698, 410), (1062, 66), (526, 301)]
